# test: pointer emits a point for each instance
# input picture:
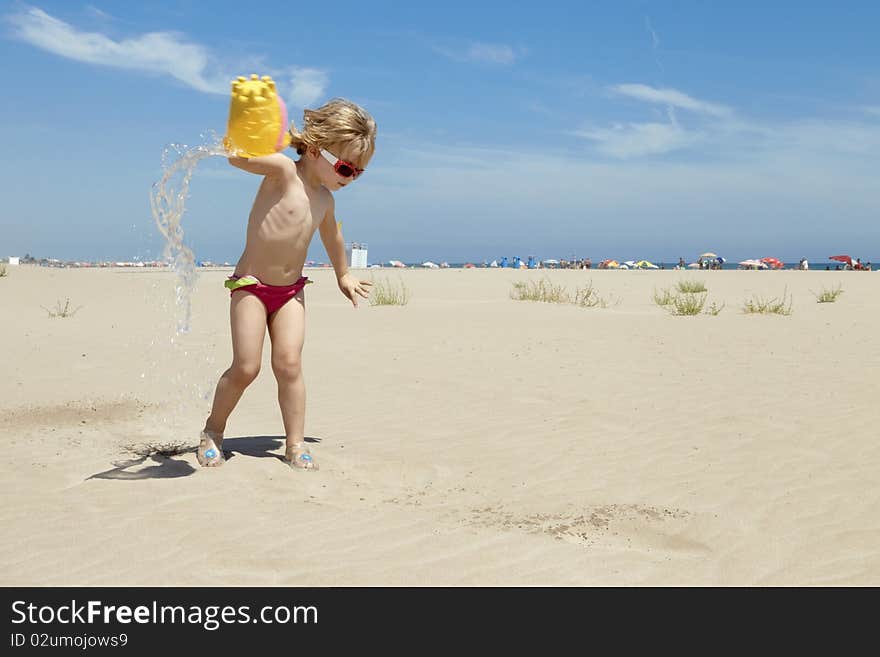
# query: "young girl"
(267, 288)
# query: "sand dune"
(464, 439)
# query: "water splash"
(168, 203)
(186, 379)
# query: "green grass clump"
(388, 293)
(687, 304)
(714, 309)
(774, 306)
(664, 297)
(545, 291)
(588, 297)
(691, 287)
(2, 270)
(62, 311)
(541, 290)
(828, 295)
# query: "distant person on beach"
(681, 264)
(295, 198)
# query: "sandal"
(302, 459)
(210, 453)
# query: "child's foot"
(297, 456)
(210, 452)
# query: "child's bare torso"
(283, 220)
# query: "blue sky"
(627, 130)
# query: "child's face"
(340, 159)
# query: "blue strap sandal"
(302, 459)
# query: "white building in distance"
(356, 255)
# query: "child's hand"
(352, 287)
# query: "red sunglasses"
(343, 168)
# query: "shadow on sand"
(169, 467)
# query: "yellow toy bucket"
(257, 122)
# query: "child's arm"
(334, 244)
(265, 165)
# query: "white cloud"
(160, 53)
(484, 53)
(672, 97)
(154, 52)
(637, 139)
(628, 140)
(753, 194)
(655, 40)
(98, 12)
(307, 86)
(491, 53)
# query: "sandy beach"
(464, 439)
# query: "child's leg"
(287, 333)
(247, 316)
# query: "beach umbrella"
(646, 265)
(694, 265)
(630, 263)
(774, 263)
(551, 261)
(842, 258)
(430, 265)
(708, 255)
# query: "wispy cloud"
(307, 86)
(98, 12)
(655, 40)
(154, 52)
(483, 53)
(759, 174)
(705, 120)
(671, 97)
(157, 53)
(638, 139)
(491, 53)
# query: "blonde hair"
(337, 122)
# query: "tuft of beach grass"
(545, 291)
(714, 309)
(588, 297)
(386, 292)
(689, 303)
(664, 297)
(828, 295)
(685, 303)
(775, 306)
(541, 290)
(691, 287)
(62, 311)
(2, 270)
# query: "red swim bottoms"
(272, 296)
